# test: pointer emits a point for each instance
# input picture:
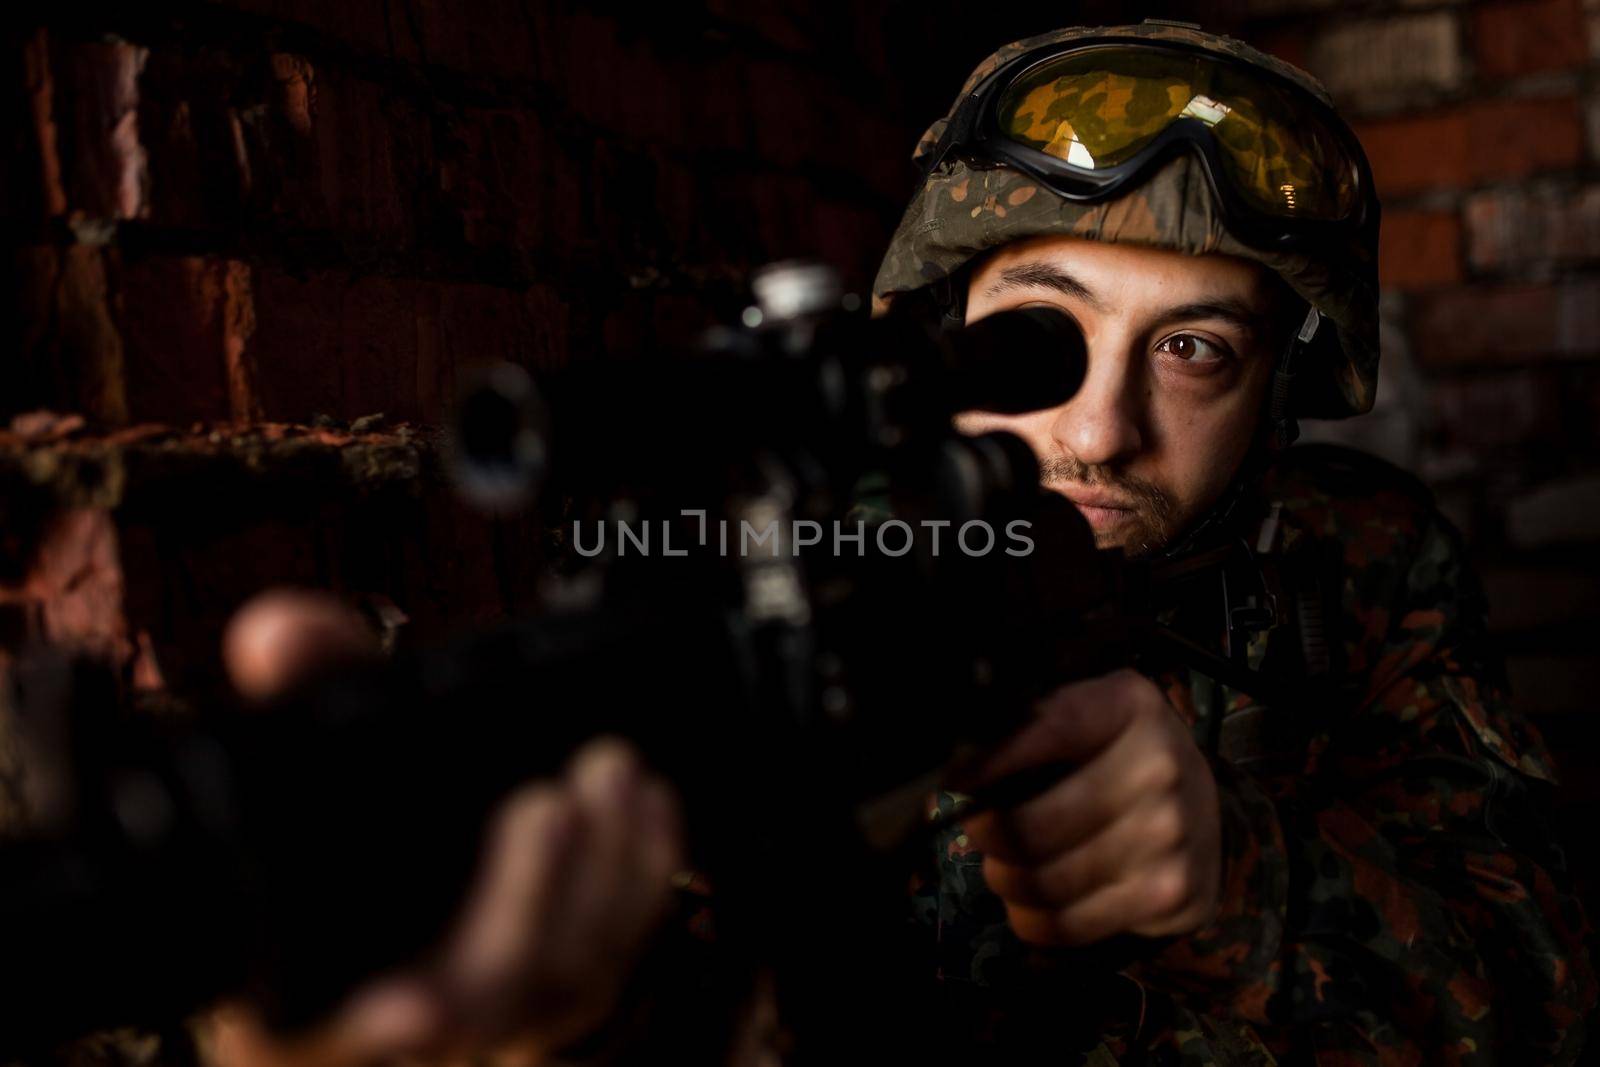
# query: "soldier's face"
(1181, 349)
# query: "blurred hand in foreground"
(575, 879)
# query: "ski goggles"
(1090, 120)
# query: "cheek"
(1201, 441)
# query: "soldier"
(1362, 876)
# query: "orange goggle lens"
(1100, 107)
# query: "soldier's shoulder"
(1338, 491)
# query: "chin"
(1132, 548)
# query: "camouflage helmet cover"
(961, 211)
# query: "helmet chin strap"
(1283, 425)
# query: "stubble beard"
(1149, 525)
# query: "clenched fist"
(1130, 842)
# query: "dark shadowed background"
(256, 241)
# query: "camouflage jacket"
(1391, 892)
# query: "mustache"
(1146, 499)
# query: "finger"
(393, 1018)
(1140, 836)
(1144, 762)
(1138, 905)
(390, 1019)
(642, 893)
(517, 898)
(282, 636)
(607, 782)
(1072, 724)
(661, 851)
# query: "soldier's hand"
(575, 878)
(1130, 842)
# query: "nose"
(1101, 424)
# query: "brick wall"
(238, 226)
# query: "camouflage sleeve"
(1394, 896)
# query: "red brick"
(646, 103)
(718, 105)
(1419, 249)
(1381, 63)
(1270, 8)
(1485, 412)
(373, 152)
(550, 328)
(197, 160)
(1564, 511)
(377, 358)
(492, 37)
(1529, 597)
(236, 142)
(1555, 685)
(363, 24)
(1509, 39)
(33, 183)
(346, 347)
(186, 326)
(72, 593)
(1485, 140)
(96, 126)
(504, 179)
(785, 25)
(70, 347)
(786, 99)
(1484, 325)
(498, 179)
(1414, 154)
(848, 237)
(481, 323)
(1511, 228)
(1292, 45)
(297, 344)
(1511, 139)
(1490, 324)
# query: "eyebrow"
(1035, 275)
(1255, 322)
(1044, 276)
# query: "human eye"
(1195, 352)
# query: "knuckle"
(535, 809)
(1007, 881)
(1160, 771)
(1127, 686)
(1168, 889)
(1167, 827)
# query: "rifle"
(798, 668)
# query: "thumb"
(391, 1018)
(282, 636)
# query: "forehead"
(1131, 271)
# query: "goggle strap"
(957, 131)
